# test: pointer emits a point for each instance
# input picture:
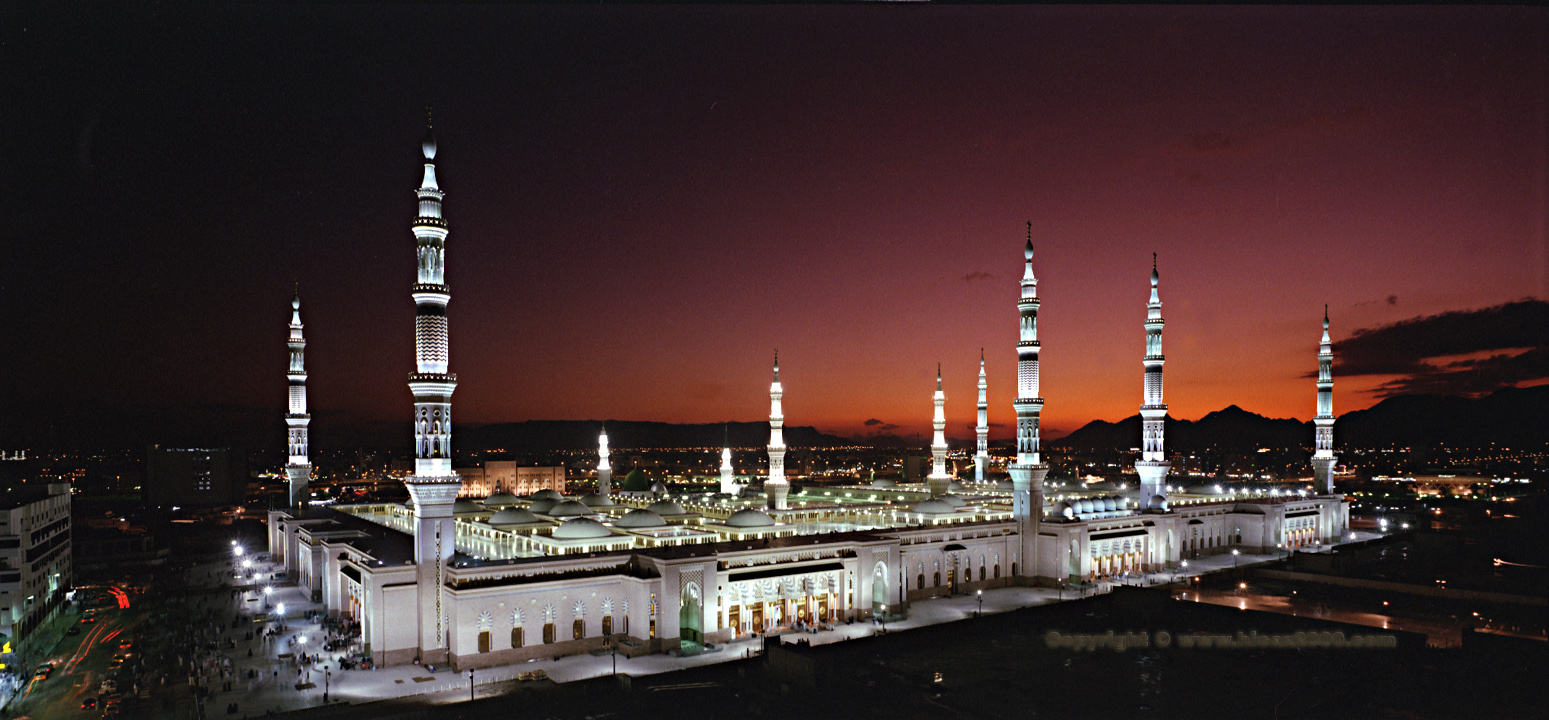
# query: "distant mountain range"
(1513, 417)
(1510, 418)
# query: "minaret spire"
(776, 487)
(299, 470)
(604, 470)
(728, 480)
(1029, 470)
(982, 430)
(939, 480)
(434, 485)
(1152, 466)
(1323, 424)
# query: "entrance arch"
(879, 586)
(690, 629)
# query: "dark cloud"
(1464, 352)
(873, 421)
(976, 276)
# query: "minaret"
(1323, 452)
(776, 487)
(1028, 472)
(299, 470)
(982, 456)
(433, 486)
(728, 481)
(1153, 465)
(939, 480)
(604, 470)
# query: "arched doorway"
(690, 611)
(878, 586)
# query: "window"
(607, 625)
(653, 627)
(1013, 568)
(483, 641)
(997, 569)
(579, 630)
(516, 637)
(919, 581)
(981, 573)
(548, 633)
(937, 579)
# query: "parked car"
(89, 703)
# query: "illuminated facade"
(982, 430)
(1029, 470)
(1323, 423)
(776, 487)
(939, 480)
(299, 470)
(1152, 466)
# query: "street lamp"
(884, 618)
(1235, 553)
(980, 593)
(267, 592)
(327, 674)
(470, 684)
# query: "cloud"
(976, 276)
(873, 421)
(1463, 352)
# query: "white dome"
(595, 500)
(1158, 502)
(882, 483)
(658, 487)
(543, 505)
(956, 487)
(1083, 506)
(638, 519)
(1109, 504)
(547, 494)
(513, 516)
(1065, 510)
(465, 505)
(953, 500)
(581, 529)
(569, 508)
(934, 506)
(1004, 486)
(749, 518)
(499, 500)
(666, 507)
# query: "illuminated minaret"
(1028, 472)
(982, 456)
(939, 479)
(604, 470)
(728, 481)
(776, 487)
(1153, 466)
(299, 470)
(1323, 452)
(433, 486)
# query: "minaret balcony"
(425, 221)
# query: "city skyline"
(646, 203)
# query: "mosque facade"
(480, 582)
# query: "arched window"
(919, 582)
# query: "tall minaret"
(1323, 452)
(1028, 472)
(939, 480)
(728, 481)
(776, 487)
(1153, 466)
(433, 486)
(982, 456)
(299, 470)
(604, 470)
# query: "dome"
(548, 494)
(956, 487)
(1083, 506)
(882, 483)
(637, 519)
(465, 505)
(581, 529)
(1158, 502)
(500, 500)
(569, 508)
(658, 487)
(1102, 486)
(513, 516)
(595, 500)
(1109, 504)
(749, 518)
(666, 507)
(953, 500)
(1064, 510)
(934, 506)
(1004, 486)
(542, 506)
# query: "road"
(81, 662)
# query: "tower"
(939, 480)
(299, 469)
(982, 453)
(728, 481)
(1028, 472)
(604, 470)
(433, 486)
(1152, 466)
(776, 487)
(1323, 423)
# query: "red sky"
(645, 202)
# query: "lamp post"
(884, 619)
(1235, 554)
(327, 675)
(470, 684)
(613, 643)
(980, 593)
(267, 592)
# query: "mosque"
(470, 583)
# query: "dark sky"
(645, 202)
